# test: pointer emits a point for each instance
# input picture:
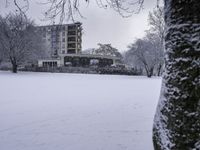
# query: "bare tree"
(157, 23)
(157, 28)
(158, 51)
(148, 53)
(145, 53)
(67, 8)
(19, 39)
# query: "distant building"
(62, 39)
(64, 44)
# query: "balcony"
(71, 45)
(71, 39)
(71, 33)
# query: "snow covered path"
(49, 111)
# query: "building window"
(63, 33)
(63, 40)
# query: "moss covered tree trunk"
(177, 120)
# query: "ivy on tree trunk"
(177, 120)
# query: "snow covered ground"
(49, 111)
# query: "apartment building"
(62, 39)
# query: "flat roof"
(60, 24)
(90, 55)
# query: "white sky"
(100, 25)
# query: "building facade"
(62, 39)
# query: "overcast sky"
(100, 25)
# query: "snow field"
(50, 111)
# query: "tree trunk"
(14, 65)
(14, 68)
(177, 120)
(149, 71)
(159, 69)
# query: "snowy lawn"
(49, 111)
